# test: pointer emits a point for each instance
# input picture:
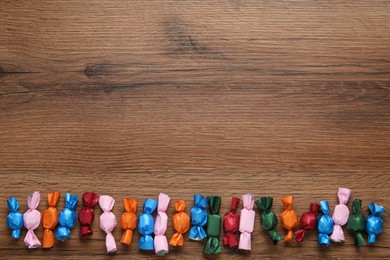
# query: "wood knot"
(88, 71)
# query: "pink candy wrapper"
(247, 222)
(160, 225)
(340, 215)
(32, 219)
(108, 221)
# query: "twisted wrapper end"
(289, 236)
(344, 194)
(85, 231)
(48, 238)
(110, 243)
(197, 233)
(338, 234)
(63, 233)
(146, 243)
(212, 246)
(16, 233)
(161, 245)
(230, 239)
(359, 239)
(127, 237)
(31, 240)
(300, 235)
(245, 242)
(323, 239)
(177, 239)
(275, 237)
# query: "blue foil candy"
(198, 218)
(146, 225)
(374, 224)
(14, 218)
(325, 225)
(67, 217)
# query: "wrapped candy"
(32, 219)
(289, 218)
(160, 225)
(231, 222)
(146, 225)
(307, 222)
(128, 220)
(268, 218)
(340, 215)
(15, 217)
(374, 223)
(108, 221)
(50, 220)
(86, 214)
(213, 227)
(325, 224)
(247, 222)
(181, 223)
(357, 223)
(198, 218)
(67, 218)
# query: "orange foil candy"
(50, 220)
(128, 220)
(289, 218)
(181, 223)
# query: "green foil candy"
(268, 219)
(357, 222)
(213, 231)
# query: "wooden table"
(133, 98)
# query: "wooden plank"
(131, 98)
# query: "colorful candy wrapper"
(146, 225)
(15, 217)
(181, 223)
(128, 220)
(247, 222)
(67, 218)
(307, 222)
(374, 225)
(87, 214)
(198, 218)
(50, 220)
(325, 224)
(289, 217)
(32, 219)
(231, 222)
(268, 218)
(108, 221)
(160, 225)
(340, 215)
(357, 223)
(212, 246)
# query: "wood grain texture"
(131, 98)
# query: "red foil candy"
(307, 222)
(86, 214)
(231, 223)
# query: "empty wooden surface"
(133, 98)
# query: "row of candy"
(329, 228)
